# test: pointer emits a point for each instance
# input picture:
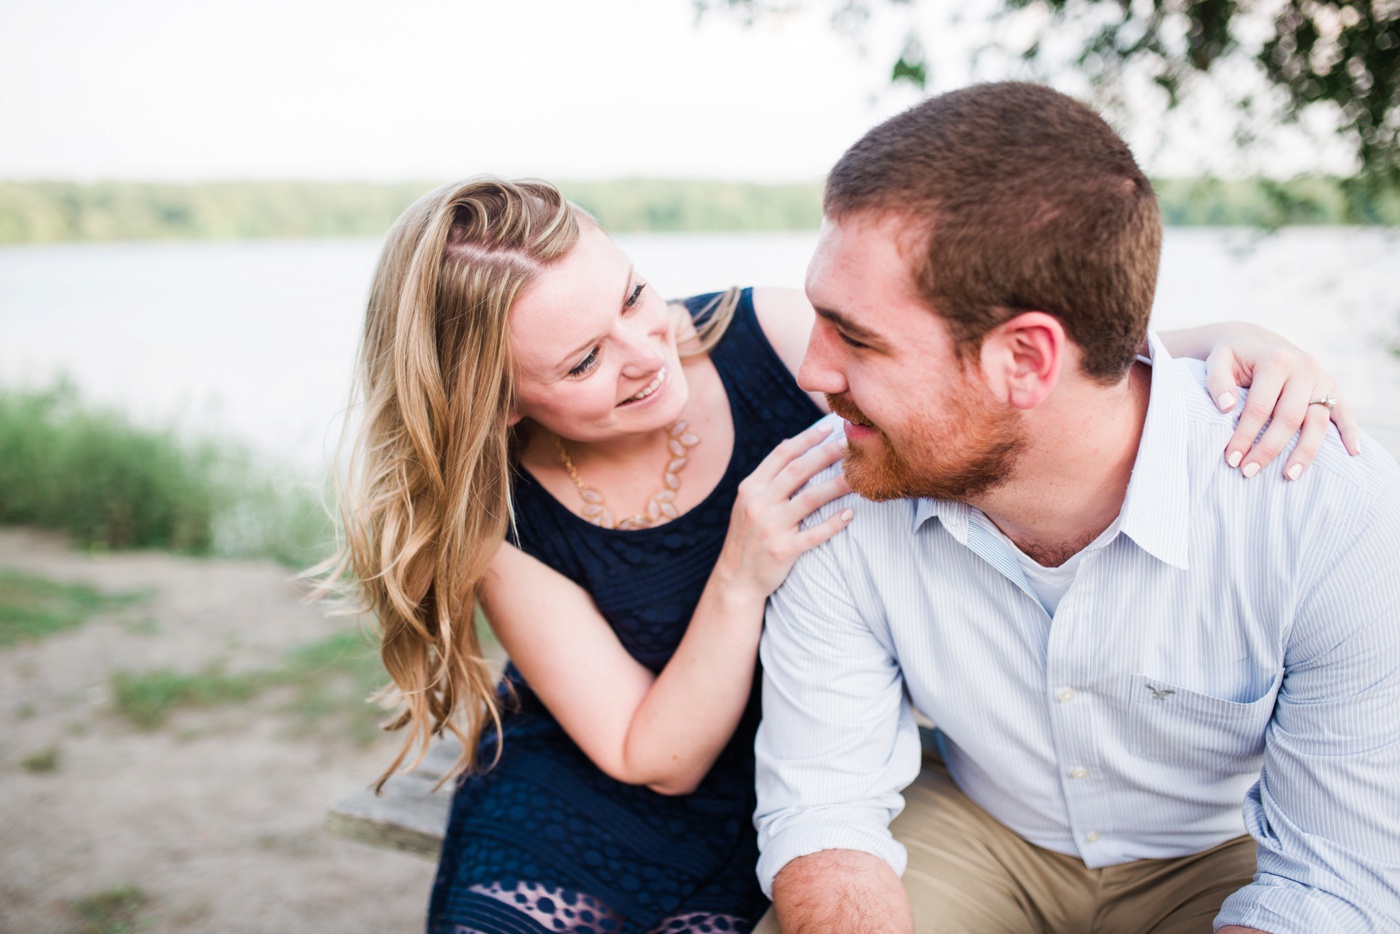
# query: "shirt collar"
(1154, 512)
(1157, 504)
(954, 516)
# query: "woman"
(545, 436)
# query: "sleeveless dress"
(544, 841)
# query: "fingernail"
(843, 442)
(1357, 449)
(1295, 471)
(1250, 470)
(1226, 401)
(847, 515)
(1234, 458)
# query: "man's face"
(919, 421)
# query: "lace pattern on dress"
(553, 909)
(702, 922)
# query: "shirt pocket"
(1177, 726)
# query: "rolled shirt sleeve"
(838, 741)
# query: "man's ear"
(1021, 358)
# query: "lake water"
(255, 340)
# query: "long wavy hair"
(424, 492)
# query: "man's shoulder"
(1373, 475)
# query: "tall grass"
(108, 482)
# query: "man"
(1119, 641)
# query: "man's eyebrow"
(850, 328)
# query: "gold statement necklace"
(662, 504)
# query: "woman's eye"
(587, 364)
(636, 295)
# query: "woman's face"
(595, 356)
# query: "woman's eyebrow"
(627, 286)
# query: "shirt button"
(1066, 695)
(1079, 772)
(1091, 837)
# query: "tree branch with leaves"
(1337, 60)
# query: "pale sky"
(430, 89)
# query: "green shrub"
(93, 473)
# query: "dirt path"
(215, 817)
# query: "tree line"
(55, 212)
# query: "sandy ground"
(216, 816)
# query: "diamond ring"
(1328, 400)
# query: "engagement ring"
(1328, 400)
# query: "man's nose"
(819, 371)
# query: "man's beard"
(959, 453)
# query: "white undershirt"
(1049, 584)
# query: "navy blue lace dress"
(544, 841)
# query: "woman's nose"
(645, 352)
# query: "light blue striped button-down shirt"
(1228, 662)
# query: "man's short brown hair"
(1027, 201)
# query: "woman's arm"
(1282, 380)
(786, 318)
(1283, 383)
(665, 731)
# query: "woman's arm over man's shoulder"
(786, 318)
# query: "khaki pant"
(968, 873)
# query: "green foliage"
(31, 213)
(910, 66)
(642, 204)
(92, 473)
(1341, 54)
(43, 762)
(1213, 202)
(268, 511)
(51, 212)
(1339, 57)
(328, 681)
(33, 607)
(332, 679)
(115, 911)
(148, 699)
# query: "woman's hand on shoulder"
(765, 530)
(1286, 386)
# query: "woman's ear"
(1021, 358)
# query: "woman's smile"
(648, 390)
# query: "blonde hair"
(425, 494)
